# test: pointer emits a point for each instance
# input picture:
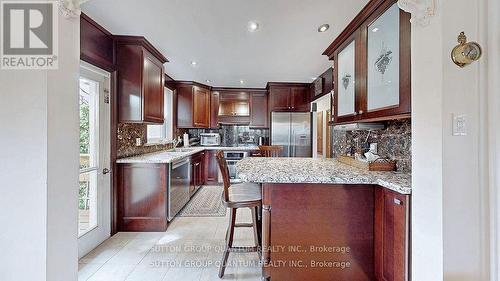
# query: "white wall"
(462, 202)
(63, 156)
(427, 152)
(39, 167)
(492, 115)
(23, 170)
(450, 197)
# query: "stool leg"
(229, 241)
(256, 235)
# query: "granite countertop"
(168, 156)
(161, 157)
(310, 170)
(238, 148)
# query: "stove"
(232, 157)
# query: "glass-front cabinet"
(372, 67)
(382, 89)
(346, 94)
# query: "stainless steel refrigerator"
(292, 130)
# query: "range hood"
(360, 127)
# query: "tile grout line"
(128, 241)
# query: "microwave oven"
(209, 139)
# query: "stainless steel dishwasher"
(179, 182)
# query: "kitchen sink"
(180, 150)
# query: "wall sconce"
(465, 52)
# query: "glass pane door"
(89, 149)
(94, 189)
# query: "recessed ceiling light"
(323, 27)
(375, 29)
(253, 26)
(313, 78)
(242, 82)
(193, 63)
(208, 81)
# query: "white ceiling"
(287, 46)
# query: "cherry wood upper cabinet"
(392, 232)
(96, 44)
(236, 107)
(279, 98)
(380, 36)
(140, 80)
(288, 96)
(234, 102)
(214, 109)
(193, 105)
(258, 110)
(300, 98)
(201, 107)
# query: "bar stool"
(235, 196)
(270, 150)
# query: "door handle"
(105, 171)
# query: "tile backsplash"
(234, 135)
(394, 142)
(127, 133)
(231, 136)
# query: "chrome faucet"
(176, 141)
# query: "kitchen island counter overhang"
(324, 220)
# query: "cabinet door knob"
(361, 112)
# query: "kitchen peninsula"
(324, 220)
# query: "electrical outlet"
(138, 141)
(459, 125)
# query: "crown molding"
(70, 8)
(421, 10)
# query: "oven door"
(179, 184)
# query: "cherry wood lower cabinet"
(327, 232)
(392, 228)
(211, 167)
(142, 197)
(197, 171)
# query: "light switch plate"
(459, 125)
(138, 142)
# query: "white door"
(94, 189)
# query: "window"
(161, 133)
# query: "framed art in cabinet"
(346, 74)
(388, 62)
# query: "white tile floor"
(190, 250)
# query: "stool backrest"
(270, 150)
(224, 170)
